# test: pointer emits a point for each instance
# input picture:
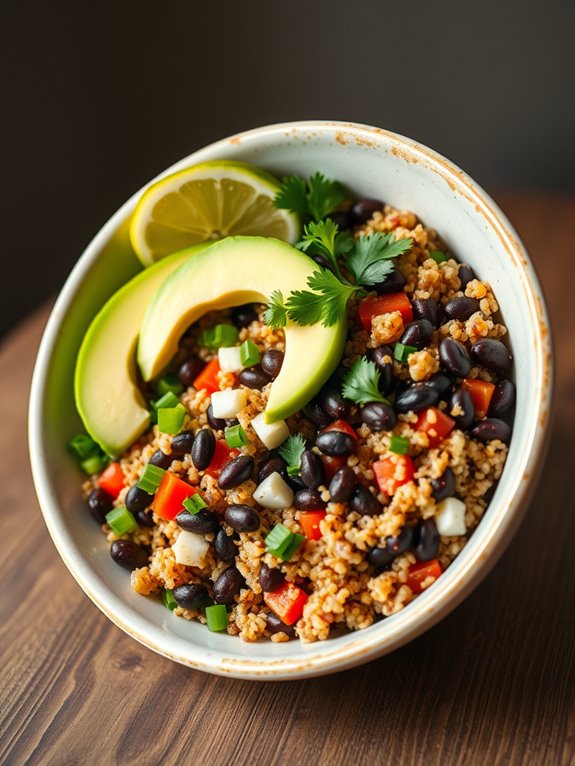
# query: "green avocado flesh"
(232, 272)
(110, 404)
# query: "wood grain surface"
(492, 684)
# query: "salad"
(297, 413)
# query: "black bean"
(270, 579)
(394, 283)
(461, 399)
(336, 443)
(342, 219)
(379, 356)
(426, 308)
(461, 308)
(380, 557)
(128, 554)
(315, 413)
(418, 334)
(454, 357)
(201, 523)
(465, 275)
(191, 596)
(227, 586)
(363, 502)
(99, 504)
(203, 449)
(311, 469)
(243, 518)
(224, 546)
(378, 416)
(275, 625)
(502, 400)
(274, 464)
(218, 424)
(444, 486)
(401, 542)
(417, 397)
(160, 459)
(145, 518)
(491, 428)
(364, 209)
(308, 500)
(243, 316)
(333, 403)
(426, 540)
(342, 485)
(236, 471)
(182, 443)
(492, 353)
(440, 382)
(137, 499)
(189, 370)
(295, 483)
(272, 361)
(253, 377)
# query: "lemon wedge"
(208, 202)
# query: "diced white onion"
(230, 359)
(227, 404)
(190, 549)
(450, 517)
(271, 434)
(274, 493)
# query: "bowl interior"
(371, 163)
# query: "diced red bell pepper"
(418, 573)
(287, 602)
(208, 377)
(309, 522)
(222, 455)
(112, 479)
(343, 426)
(170, 496)
(331, 465)
(436, 424)
(392, 472)
(481, 392)
(384, 304)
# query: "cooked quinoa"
(345, 589)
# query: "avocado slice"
(231, 272)
(110, 404)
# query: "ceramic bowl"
(372, 163)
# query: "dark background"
(99, 97)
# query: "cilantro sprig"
(317, 197)
(354, 264)
(361, 383)
(291, 451)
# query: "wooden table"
(492, 684)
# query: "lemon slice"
(208, 202)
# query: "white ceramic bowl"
(372, 163)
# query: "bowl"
(372, 163)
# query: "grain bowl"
(373, 164)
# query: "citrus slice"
(208, 202)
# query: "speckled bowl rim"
(484, 548)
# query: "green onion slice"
(120, 520)
(249, 353)
(168, 599)
(402, 351)
(399, 444)
(169, 383)
(217, 617)
(171, 419)
(150, 479)
(194, 504)
(235, 436)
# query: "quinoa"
(345, 589)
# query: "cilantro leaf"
(370, 260)
(361, 383)
(317, 197)
(275, 314)
(291, 451)
(324, 238)
(323, 196)
(326, 304)
(292, 195)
